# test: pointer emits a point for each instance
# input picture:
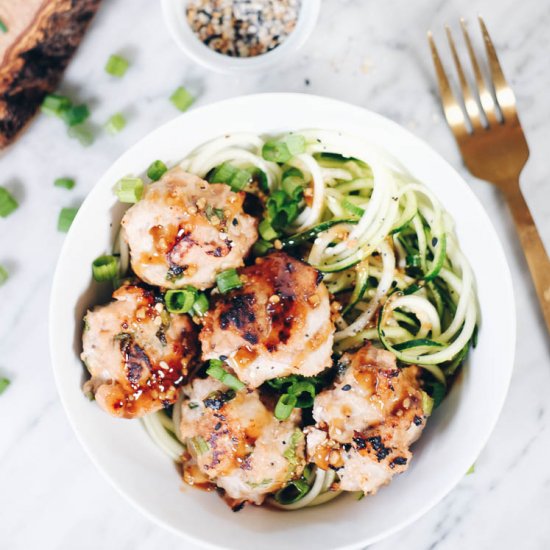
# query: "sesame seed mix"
(242, 28)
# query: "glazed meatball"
(184, 231)
(236, 443)
(367, 421)
(137, 353)
(278, 323)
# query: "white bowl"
(454, 435)
(176, 21)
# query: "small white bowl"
(191, 45)
(453, 437)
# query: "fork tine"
(469, 101)
(485, 96)
(451, 108)
(505, 96)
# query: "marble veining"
(365, 52)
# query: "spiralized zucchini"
(387, 250)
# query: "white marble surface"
(368, 53)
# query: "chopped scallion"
(182, 99)
(8, 204)
(156, 170)
(105, 268)
(283, 150)
(66, 183)
(285, 406)
(129, 190)
(75, 115)
(65, 220)
(228, 280)
(215, 370)
(3, 27)
(3, 275)
(82, 133)
(4, 383)
(304, 392)
(117, 66)
(266, 230)
(180, 301)
(236, 178)
(55, 105)
(115, 124)
(200, 307)
(261, 247)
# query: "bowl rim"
(193, 48)
(270, 99)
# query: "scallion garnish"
(283, 150)
(115, 124)
(261, 247)
(215, 370)
(236, 178)
(228, 280)
(105, 268)
(293, 183)
(3, 275)
(293, 492)
(4, 383)
(266, 230)
(199, 445)
(180, 301)
(117, 66)
(65, 220)
(129, 190)
(182, 99)
(75, 115)
(55, 105)
(285, 406)
(8, 204)
(304, 392)
(200, 307)
(156, 170)
(66, 183)
(3, 27)
(82, 133)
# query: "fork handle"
(532, 245)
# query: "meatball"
(278, 323)
(137, 353)
(366, 423)
(184, 231)
(236, 443)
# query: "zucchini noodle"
(387, 250)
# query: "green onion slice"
(266, 230)
(3, 275)
(8, 204)
(228, 280)
(66, 183)
(115, 124)
(105, 268)
(55, 105)
(293, 492)
(117, 66)
(215, 370)
(129, 190)
(182, 99)
(283, 150)
(304, 392)
(236, 178)
(3, 27)
(200, 307)
(4, 383)
(180, 301)
(65, 220)
(285, 405)
(75, 115)
(156, 170)
(82, 133)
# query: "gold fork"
(493, 146)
